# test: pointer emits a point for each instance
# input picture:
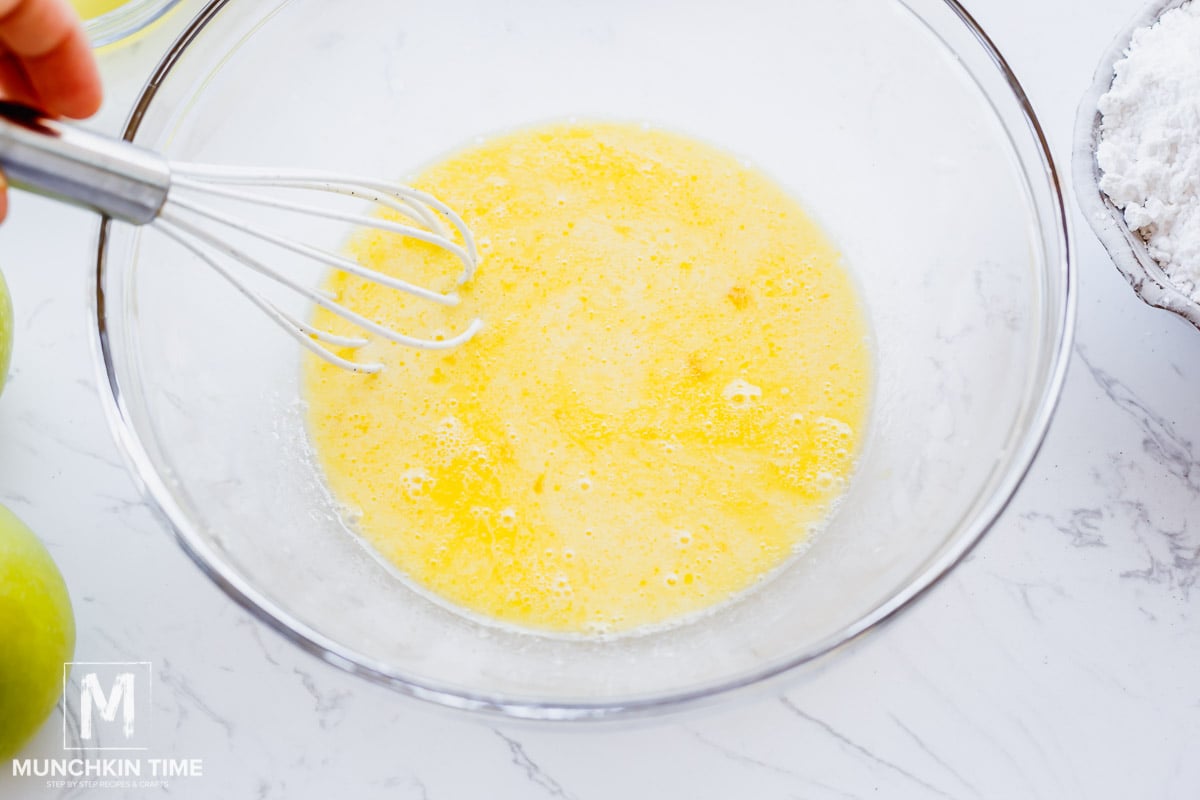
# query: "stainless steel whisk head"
(424, 211)
(138, 186)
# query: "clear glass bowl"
(1126, 247)
(125, 20)
(897, 124)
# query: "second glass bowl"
(109, 21)
(1125, 246)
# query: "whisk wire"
(303, 333)
(358, 220)
(178, 225)
(415, 200)
(398, 201)
(325, 257)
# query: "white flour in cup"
(1149, 151)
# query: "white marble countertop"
(1059, 661)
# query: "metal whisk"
(133, 184)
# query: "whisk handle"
(45, 156)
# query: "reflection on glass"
(108, 21)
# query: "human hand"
(46, 62)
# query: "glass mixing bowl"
(898, 125)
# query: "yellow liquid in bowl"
(669, 396)
(90, 9)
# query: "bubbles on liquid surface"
(740, 393)
(560, 585)
(415, 481)
(639, 481)
(826, 481)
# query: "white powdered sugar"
(1149, 151)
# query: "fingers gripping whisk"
(200, 228)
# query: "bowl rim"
(158, 496)
(125, 20)
(1125, 247)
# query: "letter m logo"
(107, 708)
(92, 696)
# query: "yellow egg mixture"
(670, 392)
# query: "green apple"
(6, 331)
(37, 633)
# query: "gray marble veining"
(1057, 662)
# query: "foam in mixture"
(670, 392)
